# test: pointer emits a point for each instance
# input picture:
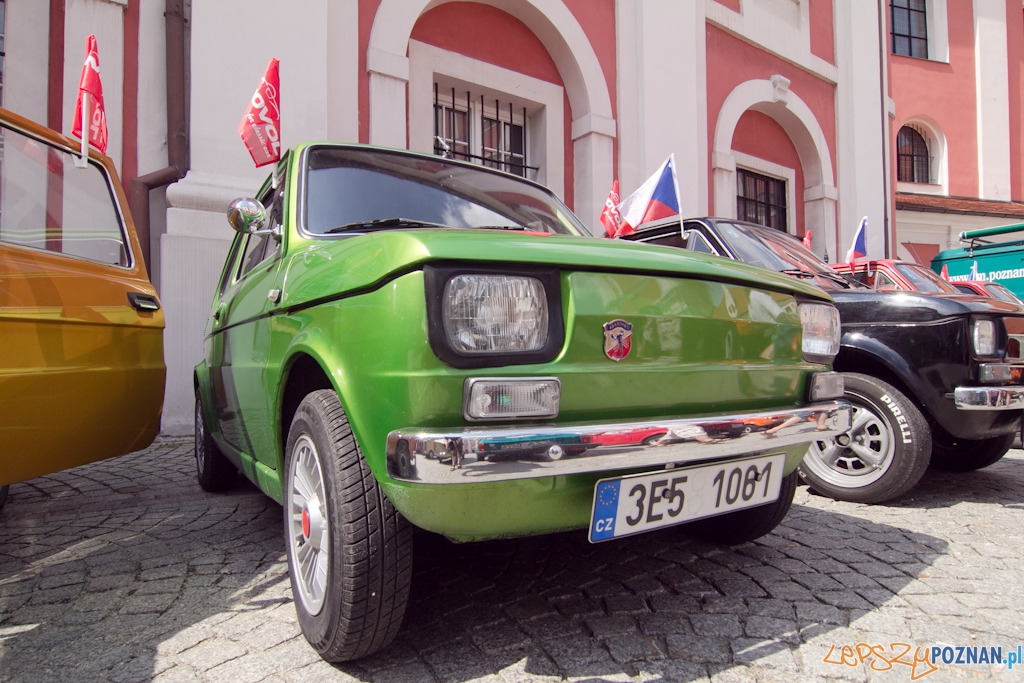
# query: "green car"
(377, 305)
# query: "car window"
(229, 263)
(672, 239)
(884, 282)
(259, 248)
(924, 280)
(47, 203)
(697, 242)
(1003, 294)
(966, 289)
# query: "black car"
(927, 373)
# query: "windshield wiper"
(797, 272)
(384, 224)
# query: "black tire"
(887, 427)
(966, 455)
(4, 490)
(368, 565)
(214, 471)
(746, 525)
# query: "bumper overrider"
(507, 452)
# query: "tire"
(738, 527)
(214, 471)
(965, 455)
(4, 490)
(349, 551)
(881, 457)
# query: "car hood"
(367, 261)
(874, 307)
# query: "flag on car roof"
(807, 239)
(858, 249)
(657, 198)
(610, 217)
(260, 128)
(974, 272)
(945, 273)
(89, 105)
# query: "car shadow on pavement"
(127, 571)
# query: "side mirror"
(247, 216)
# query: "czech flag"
(858, 249)
(973, 275)
(657, 198)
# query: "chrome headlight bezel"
(821, 332)
(436, 279)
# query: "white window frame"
(772, 170)
(938, 164)
(545, 125)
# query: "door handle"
(143, 302)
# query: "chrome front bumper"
(989, 398)
(503, 453)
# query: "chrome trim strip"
(504, 453)
(989, 398)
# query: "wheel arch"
(303, 374)
(870, 357)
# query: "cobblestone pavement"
(126, 571)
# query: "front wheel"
(3, 495)
(964, 455)
(883, 455)
(214, 471)
(349, 551)
(750, 524)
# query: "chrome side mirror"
(247, 216)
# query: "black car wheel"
(966, 455)
(883, 455)
(215, 472)
(4, 490)
(746, 525)
(349, 551)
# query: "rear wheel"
(883, 455)
(966, 455)
(741, 526)
(215, 472)
(3, 495)
(349, 551)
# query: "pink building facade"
(806, 115)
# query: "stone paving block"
(726, 625)
(210, 653)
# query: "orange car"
(82, 369)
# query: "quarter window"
(912, 160)
(909, 28)
(483, 130)
(761, 199)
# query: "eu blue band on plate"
(606, 505)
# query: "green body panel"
(710, 337)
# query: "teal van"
(1001, 262)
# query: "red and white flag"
(260, 128)
(91, 91)
(610, 217)
(807, 239)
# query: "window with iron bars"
(913, 164)
(481, 130)
(761, 199)
(909, 28)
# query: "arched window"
(912, 160)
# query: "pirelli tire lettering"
(885, 453)
(901, 419)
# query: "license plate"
(631, 505)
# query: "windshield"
(924, 280)
(1003, 294)
(375, 189)
(779, 251)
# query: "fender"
(924, 393)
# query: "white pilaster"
(991, 79)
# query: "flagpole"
(84, 160)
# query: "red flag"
(260, 128)
(90, 84)
(945, 273)
(807, 239)
(610, 217)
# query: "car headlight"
(492, 315)
(985, 337)
(821, 332)
(495, 314)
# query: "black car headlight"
(821, 332)
(490, 316)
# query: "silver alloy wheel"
(308, 529)
(200, 438)
(857, 458)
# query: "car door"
(82, 369)
(241, 338)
